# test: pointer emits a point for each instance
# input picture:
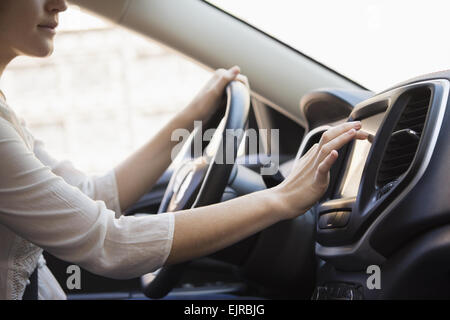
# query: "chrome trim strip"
(308, 136)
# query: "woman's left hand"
(207, 101)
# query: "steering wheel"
(200, 180)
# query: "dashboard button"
(338, 291)
(342, 219)
(326, 221)
(332, 220)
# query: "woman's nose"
(56, 6)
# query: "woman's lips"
(51, 28)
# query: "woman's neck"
(4, 61)
(2, 95)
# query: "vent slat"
(399, 154)
(422, 102)
(416, 112)
(399, 169)
(399, 158)
(399, 149)
(412, 121)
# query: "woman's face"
(27, 27)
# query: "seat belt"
(31, 290)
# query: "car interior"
(387, 203)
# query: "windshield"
(376, 43)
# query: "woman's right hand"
(310, 175)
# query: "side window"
(102, 94)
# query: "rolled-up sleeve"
(43, 208)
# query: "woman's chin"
(42, 51)
(40, 45)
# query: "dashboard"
(387, 205)
(386, 194)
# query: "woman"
(46, 204)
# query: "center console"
(370, 180)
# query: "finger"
(311, 150)
(324, 168)
(336, 144)
(334, 132)
(226, 76)
(231, 74)
(307, 156)
(243, 79)
(235, 71)
(310, 153)
(363, 135)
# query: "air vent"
(402, 145)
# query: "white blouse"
(49, 205)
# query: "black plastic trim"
(367, 207)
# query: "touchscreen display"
(357, 160)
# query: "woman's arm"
(41, 207)
(202, 231)
(138, 173)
